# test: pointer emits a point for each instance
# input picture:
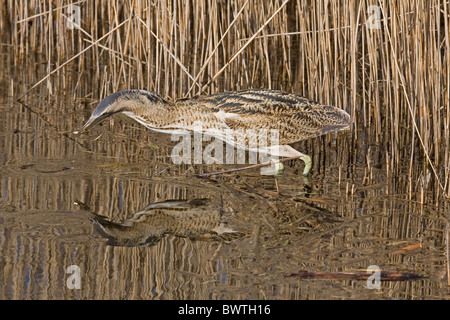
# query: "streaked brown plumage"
(196, 219)
(295, 118)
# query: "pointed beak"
(92, 122)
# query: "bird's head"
(127, 102)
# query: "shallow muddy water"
(68, 200)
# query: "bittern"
(293, 117)
(199, 219)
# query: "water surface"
(57, 190)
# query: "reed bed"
(393, 77)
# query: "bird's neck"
(162, 114)
(155, 115)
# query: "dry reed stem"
(244, 46)
(49, 11)
(205, 64)
(71, 59)
(323, 51)
(400, 75)
(170, 53)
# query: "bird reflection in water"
(197, 219)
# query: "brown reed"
(393, 79)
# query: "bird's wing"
(295, 117)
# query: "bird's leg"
(308, 164)
(253, 166)
(289, 152)
(275, 169)
(276, 165)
